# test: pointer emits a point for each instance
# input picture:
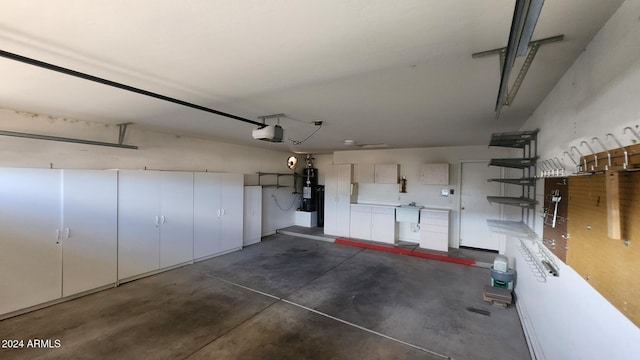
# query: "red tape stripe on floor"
(395, 250)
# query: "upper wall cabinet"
(435, 174)
(363, 173)
(386, 173)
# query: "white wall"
(410, 161)
(159, 151)
(597, 95)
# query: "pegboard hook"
(582, 156)
(624, 131)
(595, 157)
(626, 155)
(605, 149)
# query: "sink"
(411, 207)
(408, 213)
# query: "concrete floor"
(285, 298)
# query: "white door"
(89, 230)
(330, 200)
(252, 215)
(206, 213)
(232, 213)
(138, 222)
(176, 218)
(343, 206)
(30, 253)
(474, 207)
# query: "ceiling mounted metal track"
(63, 70)
(509, 94)
(525, 18)
(69, 140)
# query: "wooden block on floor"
(497, 296)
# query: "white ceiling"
(397, 72)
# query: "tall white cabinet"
(155, 221)
(218, 213)
(89, 229)
(252, 215)
(338, 199)
(66, 232)
(30, 258)
(58, 232)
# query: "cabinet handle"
(218, 212)
(157, 220)
(162, 217)
(222, 212)
(67, 233)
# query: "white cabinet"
(30, 258)
(386, 173)
(155, 220)
(138, 222)
(59, 234)
(252, 215)
(434, 174)
(338, 198)
(360, 227)
(218, 213)
(363, 173)
(89, 229)
(383, 225)
(232, 211)
(434, 229)
(377, 223)
(176, 218)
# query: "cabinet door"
(231, 204)
(343, 205)
(386, 173)
(252, 215)
(360, 223)
(363, 173)
(330, 200)
(30, 257)
(206, 213)
(383, 225)
(89, 230)
(138, 222)
(176, 218)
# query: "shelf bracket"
(501, 52)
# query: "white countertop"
(392, 205)
(375, 205)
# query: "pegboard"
(554, 232)
(611, 266)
